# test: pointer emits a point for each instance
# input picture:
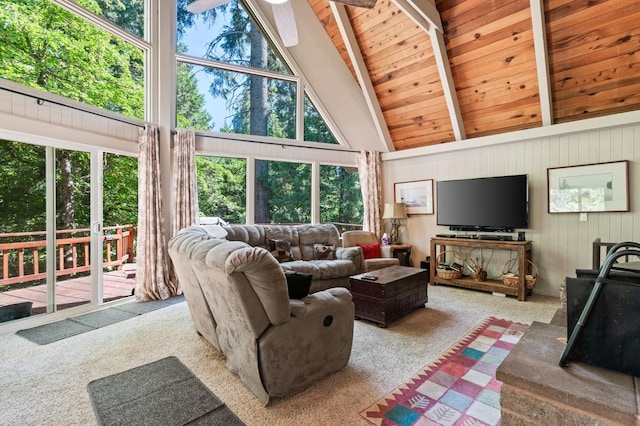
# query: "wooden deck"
(71, 292)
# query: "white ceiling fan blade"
(286, 23)
(199, 6)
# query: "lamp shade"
(394, 211)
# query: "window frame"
(241, 69)
(302, 89)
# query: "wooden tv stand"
(523, 252)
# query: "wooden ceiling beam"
(424, 9)
(351, 44)
(448, 85)
(542, 64)
(416, 10)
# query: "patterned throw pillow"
(281, 250)
(324, 252)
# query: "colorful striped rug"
(459, 388)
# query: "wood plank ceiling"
(514, 64)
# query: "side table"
(402, 252)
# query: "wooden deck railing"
(21, 257)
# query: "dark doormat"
(164, 392)
(52, 332)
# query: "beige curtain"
(154, 279)
(185, 185)
(369, 170)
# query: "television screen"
(483, 204)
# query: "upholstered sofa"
(238, 299)
(313, 249)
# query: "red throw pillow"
(370, 251)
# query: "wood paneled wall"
(59, 124)
(561, 242)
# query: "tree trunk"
(66, 206)
(263, 212)
(258, 121)
(66, 210)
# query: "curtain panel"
(154, 277)
(369, 170)
(185, 184)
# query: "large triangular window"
(232, 79)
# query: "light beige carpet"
(47, 385)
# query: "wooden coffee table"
(397, 291)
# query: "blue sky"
(196, 38)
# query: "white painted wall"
(561, 242)
(23, 119)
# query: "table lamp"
(395, 212)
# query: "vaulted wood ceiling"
(504, 65)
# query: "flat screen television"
(493, 204)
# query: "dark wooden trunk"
(397, 291)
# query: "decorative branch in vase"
(477, 267)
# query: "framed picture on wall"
(417, 196)
(602, 187)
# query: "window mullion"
(235, 68)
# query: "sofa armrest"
(314, 342)
(299, 307)
(353, 254)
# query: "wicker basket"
(511, 279)
(480, 275)
(449, 274)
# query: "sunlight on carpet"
(459, 388)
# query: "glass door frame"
(95, 224)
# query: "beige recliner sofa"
(238, 299)
(303, 240)
(355, 238)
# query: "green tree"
(127, 14)
(22, 185)
(287, 187)
(315, 128)
(190, 112)
(340, 196)
(45, 46)
(222, 187)
(120, 190)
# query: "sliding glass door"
(74, 226)
(119, 188)
(23, 229)
(55, 252)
